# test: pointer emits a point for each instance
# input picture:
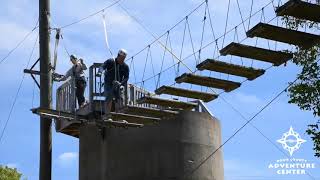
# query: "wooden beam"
(275, 57)
(167, 103)
(208, 81)
(227, 68)
(302, 39)
(300, 9)
(206, 97)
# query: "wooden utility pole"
(45, 90)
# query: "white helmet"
(122, 52)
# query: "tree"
(305, 91)
(7, 173)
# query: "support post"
(45, 90)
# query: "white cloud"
(12, 165)
(68, 159)
(246, 98)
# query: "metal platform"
(206, 97)
(275, 57)
(300, 9)
(208, 81)
(227, 68)
(167, 103)
(146, 111)
(267, 31)
(75, 121)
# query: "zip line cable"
(19, 43)
(91, 15)
(18, 91)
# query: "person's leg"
(82, 99)
(78, 92)
(108, 92)
(80, 85)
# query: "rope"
(226, 25)
(19, 43)
(251, 8)
(91, 15)
(106, 34)
(264, 20)
(237, 35)
(203, 31)
(163, 57)
(18, 91)
(134, 71)
(191, 40)
(240, 12)
(65, 47)
(174, 64)
(55, 54)
(145, 66)
(210, 20)
(151, 58)
(182, 45)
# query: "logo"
(291, 141)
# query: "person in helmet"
(116, 77)
(77, 72)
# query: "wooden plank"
(206, 97)
(208, 81)
(227, 68)
(275, 57)
(133, 118)
(167, 103)
(152, 112)
(300, 9)
(298, 38)
(54, 114)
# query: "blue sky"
(246, 156)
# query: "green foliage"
(305, 92)
(314, 132)
(7, 173)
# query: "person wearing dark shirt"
(116, 77)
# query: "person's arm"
(83, 65)
(126, 76)
(68, 74)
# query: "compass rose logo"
(291, 141)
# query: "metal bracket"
(34, 72)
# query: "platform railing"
(66, 96)
(96, 91)
(95, 83)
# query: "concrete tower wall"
(170, 150)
